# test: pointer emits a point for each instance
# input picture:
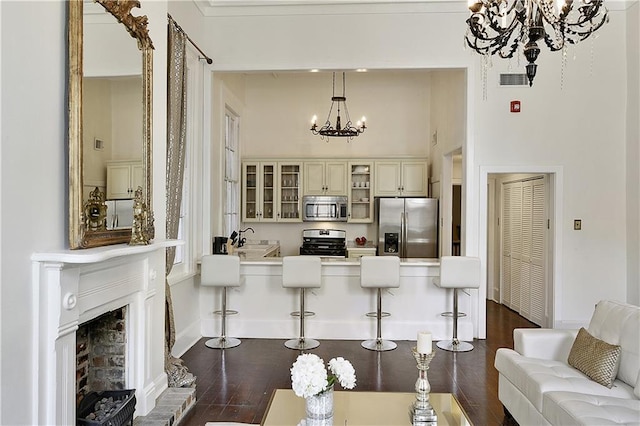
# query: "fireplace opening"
(101, 354)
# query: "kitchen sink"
(259, 244)
(259, 248)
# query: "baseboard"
(186, 339)
(147, 400)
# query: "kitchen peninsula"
(340, 305)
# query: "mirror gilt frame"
(81, 234)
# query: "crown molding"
(226, 8)
(223, 8)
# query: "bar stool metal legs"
(302, 343)
(378, 344)
(454, 345)
(223, 342)
(302, 272)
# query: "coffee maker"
(219, 245)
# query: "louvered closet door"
(538, 252)
(505, 293)
(525, 265)
(524, 214)
(516, 244)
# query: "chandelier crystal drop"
(502, 26)
(339, 103)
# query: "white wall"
(96, 124)
(448, 117)
(581, 132)
(279, 107)
(127, 118)
(1, 215)
(108, 51)
(33, 175)
(633, 155)
(33, 179)
(112, 112)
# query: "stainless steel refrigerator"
(119, 214)
(407, 227)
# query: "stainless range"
(324, 242)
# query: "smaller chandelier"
(348, 130)
(500, 26)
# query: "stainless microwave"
(324, 208)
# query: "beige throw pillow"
(594, 357)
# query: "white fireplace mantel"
(71, 287)
(101, 254)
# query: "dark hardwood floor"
(235, 385)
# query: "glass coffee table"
(352, 408)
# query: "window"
(184, 210)
(231, 180)
(184, 261)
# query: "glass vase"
(320, 407)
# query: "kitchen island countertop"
(340, 303)
(342, 261)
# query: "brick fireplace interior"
(101, 353)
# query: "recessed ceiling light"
(314, 70)
(361, 70)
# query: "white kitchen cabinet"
(271, 191)
(357, 251)
(258, 191)
(360, 197)
(289, 192)
(123, 178)
(407, 178)
(325, 178)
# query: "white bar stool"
(221, 271)
(457, 272)
(301, 272)
(379, 272)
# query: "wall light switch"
(577, 224)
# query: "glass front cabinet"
(360, 192)
(289, 199)
(258, 192)
(271, 191)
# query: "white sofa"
(538, 387)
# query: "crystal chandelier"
(347, 130)
(500, 26)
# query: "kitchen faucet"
(242, 240)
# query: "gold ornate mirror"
(109, 128)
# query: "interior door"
(539, 232)
(505, 292)
(526, 235)
(524, 248)
(516, 244)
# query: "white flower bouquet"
(309, 376)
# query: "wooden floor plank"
(235, 385)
